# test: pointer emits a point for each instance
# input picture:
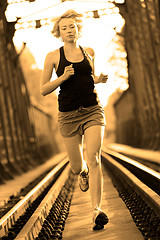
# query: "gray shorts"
(77, 121)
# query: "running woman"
(80, 115)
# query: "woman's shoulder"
(53, 56)
(90, 51)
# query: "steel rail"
(135, 153)
(151, 197)
(32, 228)
(130, 161)
(10, 218)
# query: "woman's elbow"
(43, 92)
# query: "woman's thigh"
(75, 152)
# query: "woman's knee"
(93, 159)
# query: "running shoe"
(99, 219)
(84, 180)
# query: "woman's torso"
(78, 90)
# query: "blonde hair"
(69, 14)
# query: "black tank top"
(78, 90)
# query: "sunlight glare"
(99, 34)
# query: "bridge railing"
(26, 133)
(138, 110)
(42, 123)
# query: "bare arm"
(46, 85)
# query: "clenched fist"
(68, 71)
(103, 78)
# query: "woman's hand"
(102, 78)
(68, 72)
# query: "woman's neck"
(71, 46)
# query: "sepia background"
(40, 197)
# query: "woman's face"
(68, 30)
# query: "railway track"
(139, 188)
(41, 214)
(148, 158)
(30, 213)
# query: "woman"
(80, 114)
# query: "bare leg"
(74, 149)
(93, 138)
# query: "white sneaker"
(84, 180)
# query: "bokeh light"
(98, 33)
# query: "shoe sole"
(100, 221)
(98, 227)
(83, 190)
